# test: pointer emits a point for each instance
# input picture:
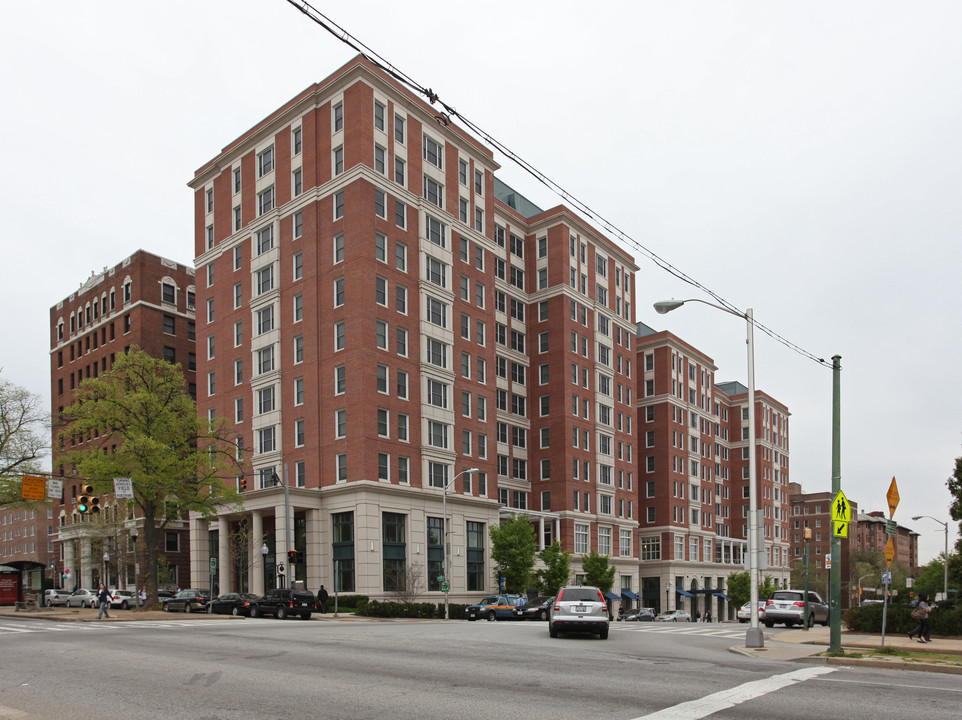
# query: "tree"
(598, 572)
(142, 424)
(24, 429)
(740, 592)
(513, 549)
(954, 484)
(557, 569)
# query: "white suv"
(579, 608)
(788, 606)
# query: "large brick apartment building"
(379, 313)
(145, 301)
(694, 459)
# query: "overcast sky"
(801, 159)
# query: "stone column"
(541, 533)
(225, 565)
(256, 559)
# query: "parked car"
(283, 602)
(674, 616)
(232, 604)
(638, 615)
(788, 607)
(189, 600)
(744, 613)
(83, 598)
(123, 599)
(579, 608)
(536, 609)
(55, 597)
(493, 607)
(866, 603)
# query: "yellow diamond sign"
(841, 510)
(893, 497)
(890, 551)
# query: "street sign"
(890, 551)
(54, 488)
(213, 565)
(828, 562)
(891, 527)
(840, 529)
(444, 587)
(841, 510)
(123, 488)
(33, 488)
(886, 578)
(893, 497)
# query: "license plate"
(580, 608)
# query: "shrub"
(899, 619)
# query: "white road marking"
(724, 699)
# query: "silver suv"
(788, 607)
(579, 608)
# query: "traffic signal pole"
(835, 574)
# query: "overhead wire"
(433, 98)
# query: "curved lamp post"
(945, 559)
(447, 544)
(754, 638)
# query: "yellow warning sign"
(893, 497)
(839, 529)
(33, 488)
(841, 510)
(890, 550)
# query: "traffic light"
(292, 557)
(83, 502)
(94, 505)
(242, 483)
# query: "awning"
(612, 596)
(684, 592)
(722, 595)
(630, 595)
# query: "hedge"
(389, 609)
(944, 621)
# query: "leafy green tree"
(513, 549)
(954, 484)
(556, 571)
(598, 572)
(143, 424)
(24, 429)
(740, 591)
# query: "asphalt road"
(265, 668)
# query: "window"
(340, 423)
(581, 539)
(296, 143)
(265, 162)
(381, 334)
(479, 182)
(298, 224)
(433, 152)
(433, 192)
(380, 203)
(237, 180)
(265, 201)
(338, 292)
(379, 111)
(338, 122)
(297, 181)
(380, 162)
(338, 160)
(298, 307)
(298, 349)
(340, 380)
(380, 290)
(339, 205)
(167, 293)
(399, 172)
(265, 280)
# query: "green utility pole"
(835, 575)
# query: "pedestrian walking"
(142, 595)
(708, 616)
(322, 597)
(103, 595)
(921, 613)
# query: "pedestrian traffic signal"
(292, 557)
(83, 502)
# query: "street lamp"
(860, 584)
(945, 560)
(754, 637)
(264, 551)
(447, 544)
(667, 596)
(106, 579)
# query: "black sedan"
(639, 615)
(232, 604)
(536, 609)
(189, 600)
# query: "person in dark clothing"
(921, 613)
(103, 596)
(322, 597)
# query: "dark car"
(232, 604)
(536, 609)
(189, 600)
(493, 607)
(283, 603)
(639, 615)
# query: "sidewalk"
(861, 649)
(63, 614)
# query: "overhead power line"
(450, 112)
